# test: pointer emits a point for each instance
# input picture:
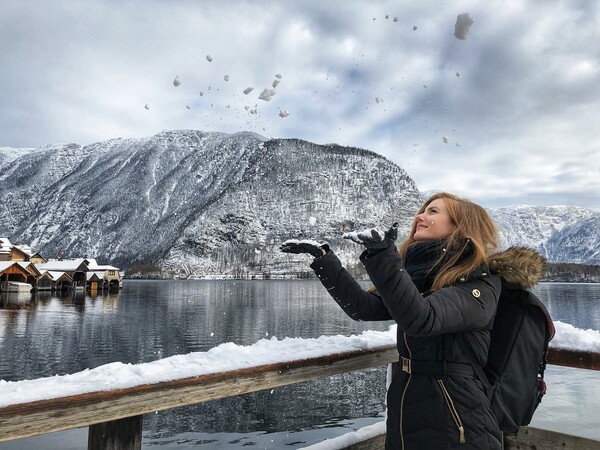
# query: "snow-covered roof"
(55, 275)
(25, 249)
(65, 265)
(4, 242)
(103, 268)
(90, 275)
(6, 264)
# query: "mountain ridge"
(200, 203)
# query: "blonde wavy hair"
(474, 225)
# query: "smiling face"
(434, 223)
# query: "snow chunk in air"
(147, 106)
(312, 220)
(463, 23)
(226, 77)
(248, 90)
(283, 113)
(267, 94)
(209, 58)
(176, 81)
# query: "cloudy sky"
(517, 100)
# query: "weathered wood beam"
(29, 419)
(574, 358)
(530, 438)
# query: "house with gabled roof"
(32, 256)
(10, 252)
(75, 268)
(5, 249)
(53, 280)
(111, 277)
(16, 271)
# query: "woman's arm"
(358, 303)
(466, 306)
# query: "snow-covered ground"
(227, 357)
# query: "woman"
(436, 286)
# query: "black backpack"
(514, 373)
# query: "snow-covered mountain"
(547, 228)
(201, 204)
(9, 154)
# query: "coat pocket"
(453, 412)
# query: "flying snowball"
(395, 19)
(248, 90)
(176, 81)
(267, 94)
(283, 113)
(209, 58)
(378, 99)
(312, 220)
(415, 27)
(463, 23)
(276, 83)
(278, 75)
(445, 139)
(226, 77)
(147, 106)
(201, 93)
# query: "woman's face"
(434, 222)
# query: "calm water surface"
(150, 320)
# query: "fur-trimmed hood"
(520, 266)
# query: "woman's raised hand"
(373, 239)
(311, 247)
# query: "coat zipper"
(453, 412)
(403, 394)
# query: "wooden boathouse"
(19, 263)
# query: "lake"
(149, 320)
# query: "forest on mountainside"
(571, 273)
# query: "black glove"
(372, 238)
(306, 246)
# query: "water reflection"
(46, 334)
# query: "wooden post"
(122, 434)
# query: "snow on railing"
(227, 357)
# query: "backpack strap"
(468, 351)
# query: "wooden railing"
(115, 416)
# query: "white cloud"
(523, 110)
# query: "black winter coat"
(426, 411)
